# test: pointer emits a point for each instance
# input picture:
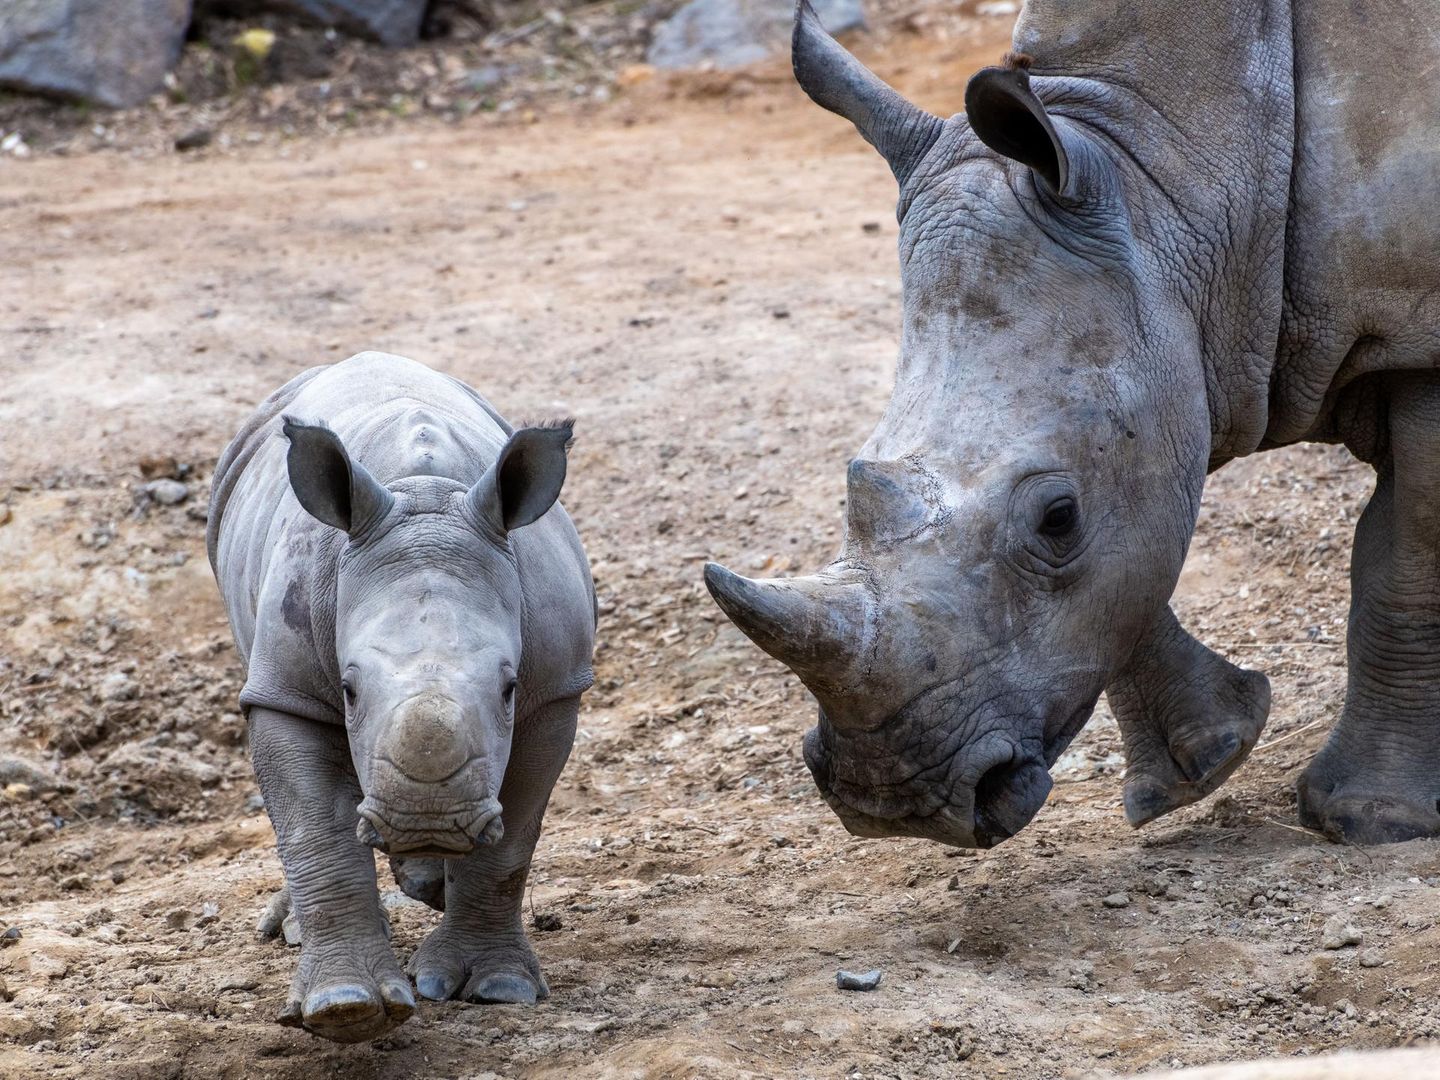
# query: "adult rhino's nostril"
(1007, 797)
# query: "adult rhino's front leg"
(1377, 779)
(348, 986)
(480, 952)
(1188, 718)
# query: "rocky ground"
(703, 272)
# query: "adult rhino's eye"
(349, 691)
(1060, 518)
(509, 691)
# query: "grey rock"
(16, 770)
(1117, 900)
(733, 33)
(167, 492)
(11, 936)
(111, 52)
(850, 980)
(1340, 932)
(118, 686)
(391, 22)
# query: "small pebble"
(167, 492)
(1117, 900)
(850, 980)
(1371, 958)
(10, 937)
(548, 920)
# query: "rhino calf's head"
(1023, 509)
(428, 630)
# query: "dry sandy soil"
(706, 280)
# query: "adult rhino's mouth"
(976, 795)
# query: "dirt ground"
(706, 279)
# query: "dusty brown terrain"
(708, 282)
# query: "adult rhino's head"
(428, 630)
(1023, 509)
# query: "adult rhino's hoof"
(1353, 815)
(1192, 772)
(1181, 749)
(351, 1012)
(498, 969)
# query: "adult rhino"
(1162, 236)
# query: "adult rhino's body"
(1163, 236)
(416, 619)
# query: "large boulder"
(390, 22)
(111, 52)
(732, 33)
(1410, 1064)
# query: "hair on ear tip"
(564, 423)
(289, 423)
(1017, 61)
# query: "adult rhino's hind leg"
(1188, 718)
(1377, 779)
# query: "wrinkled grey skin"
(416, 618)
(1187, 233)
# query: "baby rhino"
(416, 618)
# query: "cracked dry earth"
(709, 286)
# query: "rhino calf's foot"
(420, 879)
(498, 968)
(349, 995)
(1188, 718)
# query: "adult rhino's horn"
(835, 80)
(815, 627)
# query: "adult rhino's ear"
(1007, 117)
(526, 478)
(835, 80)
(331, 487)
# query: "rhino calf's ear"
(1008, 118)
(330, 487)
(526, 478)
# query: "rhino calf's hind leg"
(348, 986)
(479, 952)
(1377, 778)
(1188, 718)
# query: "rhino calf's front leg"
(480, 952)
(348, 986)
(1188, 718)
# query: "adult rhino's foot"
(1188, 718)
(1357, 798)
(494, 968)
(351, 992)
(420, 879)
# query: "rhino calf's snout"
(427, 741)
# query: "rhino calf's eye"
(1060, 518)
(509, 691)
(349, 692)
